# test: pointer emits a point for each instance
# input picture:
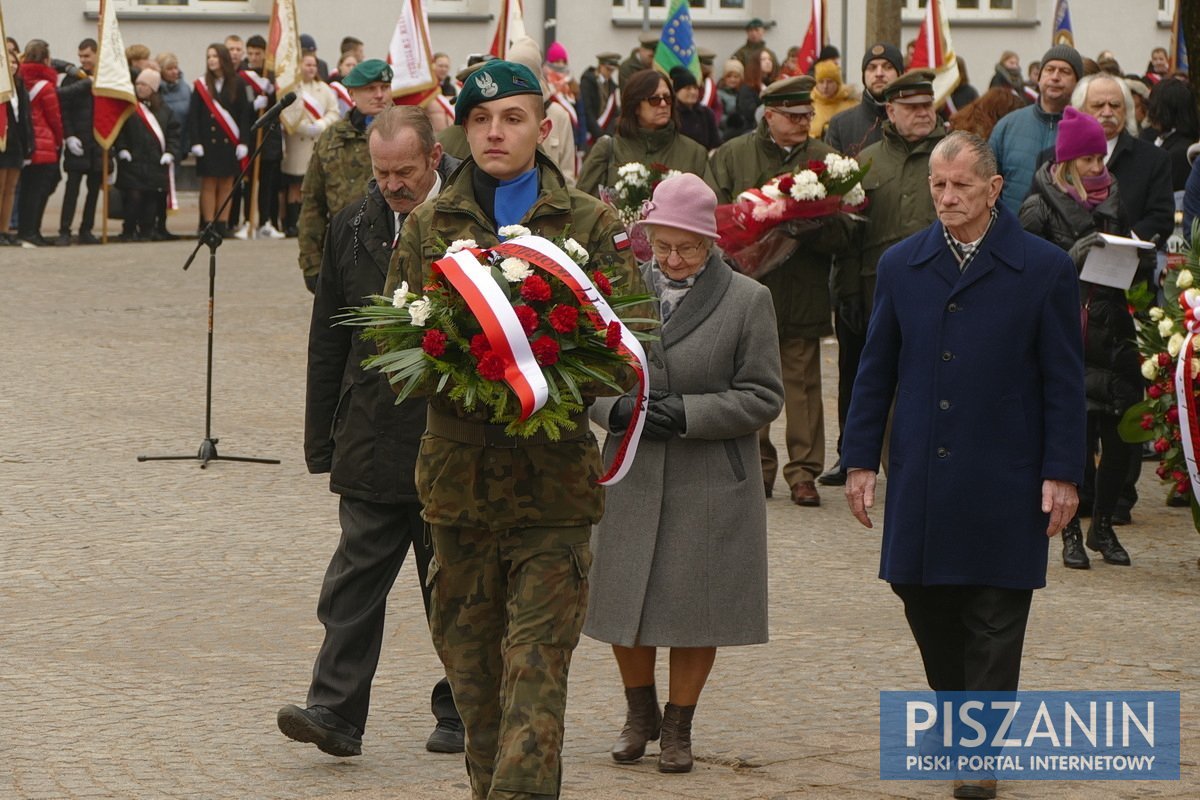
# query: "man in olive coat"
(975, 339)
(355, 431)
(799, 287)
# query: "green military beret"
(913, 87)
(611, 59)
(370, 71)
(493, 81)
(756, 23)
(790, 95)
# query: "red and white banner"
(224, 119)
(113, 98)
(411, 57)
(934, 51)
(7, 92)
(1185, 390)
(283, 46)
(569, 106)
(313, 106)
(510, 26)
(815, 37)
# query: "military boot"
(1074, 556)
(1103, 539)
(642, 723)
(676, 755)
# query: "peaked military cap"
(611, 59)
(705, 55)
(648, 40)
(494, 80)
(372, 70)
(790, 95)
(913, 87)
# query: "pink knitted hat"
(556, 52)
(1078, 135)
(684, 202)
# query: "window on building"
(225, 7)
(965, 9)
(1166, 10)
(699, 9)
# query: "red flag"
(510, 26)
(934, 51)
(112, 89)
(815, 38)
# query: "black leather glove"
(1080, 249)
(621, 413)
(311, 282)
(852, 313)
(665, 416)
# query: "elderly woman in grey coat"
(681, 553)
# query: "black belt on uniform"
(479, 434)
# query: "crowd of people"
(518, 550)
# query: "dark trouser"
(140, 207)
(850, 348)
(37, 184)
(970, 637)
(270, 184)
(1115, 455)
(375, 540)
(71, 198)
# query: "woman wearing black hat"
(696, 120)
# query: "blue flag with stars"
(676, 44)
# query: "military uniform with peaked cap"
(510, 518)
(646, 41)
(338, 171)
(595, 90)
(799, 287)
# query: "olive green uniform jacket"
(497, 488)
(666, 146)
(799, 286)
(337, 176)
(897, 186)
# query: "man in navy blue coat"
(975, 333)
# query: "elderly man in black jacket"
(355, 431)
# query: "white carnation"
(806, 176)
(513, 231)
(400, 296)
(1156, 314)
(840, 167)
(633, 170)
(856, 196)
(576, 251)
(672, 173)
(461, 244)
(1165, 327)
(418, 311)
(515, 269)
(807, 191)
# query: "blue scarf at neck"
(514, 198)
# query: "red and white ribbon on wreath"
(501, 326)
(1185, 388)
(549, 257)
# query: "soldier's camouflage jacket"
(337, 176)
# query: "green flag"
(676, 45)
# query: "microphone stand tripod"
(211, 238)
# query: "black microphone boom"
(273, 112)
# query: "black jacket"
(699, 123)
(353, 428)
(144, 171)
(219, 160)
(855, 128)
(1175, 145)
(19, 145)
(1112, 375)
(75, 100)
(589, 92)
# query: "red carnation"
(528, 318)
(817, 167)
(1173, 415)
(786, 183)
(602, 283)
(545, 351)
(434, 342)
(612, 337)
(1161, 445)
(564, 319)
(491, 367)
(1164, 359)
(659, 166)
(480, 346)
(535, 289)
(1155, 392)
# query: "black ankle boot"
(1103, 539)
(291, 222)
(643, 721)
(676, 755)
(1073, 555)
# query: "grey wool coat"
(680, 556)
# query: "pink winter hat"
(684, 202)
(1078, 135)
(556, 52)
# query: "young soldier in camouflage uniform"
(510, 517)
(341, 166)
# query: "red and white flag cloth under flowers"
(507, 338)
(1185, 388)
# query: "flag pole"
(252, 197)
(104, 193)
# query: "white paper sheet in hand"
(1115, 263)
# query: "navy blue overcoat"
(986, 369)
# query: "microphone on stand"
(273, 112)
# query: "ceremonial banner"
(411, 57)
(112, 90)
(6, 88)
(934, 51)
(1062, 24)
(816, 37)
(1179, 54)
(509, 27)
(676, 44)
(283, 46)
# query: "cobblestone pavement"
(153, 616)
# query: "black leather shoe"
(320, 726)
(1103, 539)
(63, 240)
(86, 237)
(834, 476)
(1073, 555)
(447, 737)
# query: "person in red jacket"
(41, 175)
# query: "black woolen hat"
(682, 77)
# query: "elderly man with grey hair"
(975, 337)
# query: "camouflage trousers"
(506, 611)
